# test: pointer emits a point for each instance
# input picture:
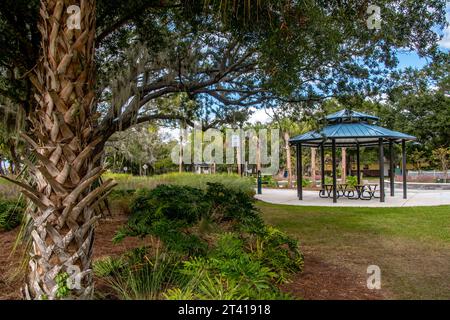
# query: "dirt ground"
(323, 281)
(318, 281)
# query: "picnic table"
(363, 191)
(328, 189)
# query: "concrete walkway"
(311, 198)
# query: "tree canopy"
(225, 55)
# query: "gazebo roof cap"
(348, 115)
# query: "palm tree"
(313, 166)
(344, 165)
(288, 158)
(63, 137)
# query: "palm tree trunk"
(344, 165)
(63, 136)
(239, 159)
(180, 154)
(313, 166)
(288, 158)
(258, 155)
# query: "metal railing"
(428, 173)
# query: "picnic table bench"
(360, 191)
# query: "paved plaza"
(311, 198)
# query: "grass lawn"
(8, 190)
(410, 245)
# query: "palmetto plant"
(138, 277)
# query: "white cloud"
(261, 115)
(169, 133)
(445, 42)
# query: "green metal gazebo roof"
(349, 128)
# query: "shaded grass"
(8, 190)
(411, 245)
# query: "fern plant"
(11, 213)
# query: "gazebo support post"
(404, 169)
(322, 164)
(391, 167)
(381, 166)
(358, 164)
(333, 155)
(299, 172)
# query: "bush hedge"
(219, 247)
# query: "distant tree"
(419, 103)
(418, 159)
(442, 156)
(135, 147)
(11, 146)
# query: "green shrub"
(278, 251)
(121, 193)
(231, 205)
(352, 181)
(229, 272)
(108, 266)
(11, 213)
(306, 183)
(245, 262)
(169, 232)
(328, 180)
(207, 287)
(137, 275)
(171, 202)
(268, 181)
(168, 210)
(165, 212)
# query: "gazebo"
(348, 128)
